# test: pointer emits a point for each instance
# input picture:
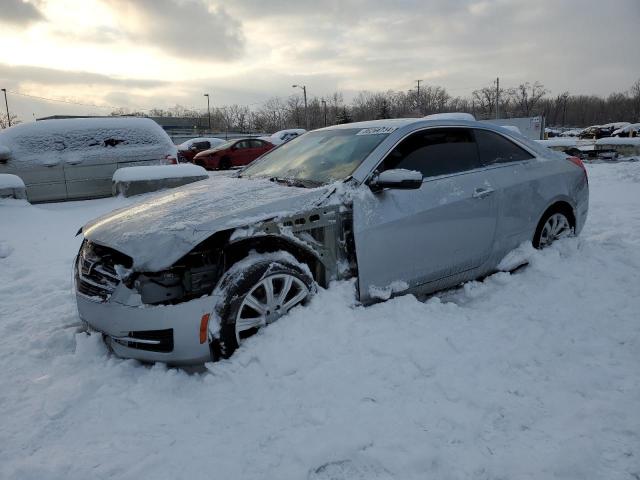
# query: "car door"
(517, 177)
(241, 153)
(42, 175)
(39, 163)
(88, 170)
(433, 234)
(258, 147)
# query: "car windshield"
(319, 157)
(223, 146)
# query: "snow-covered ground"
(534, 374)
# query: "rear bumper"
(582, 207)
(166, 333)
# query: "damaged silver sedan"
(404, 206)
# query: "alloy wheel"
(271, 298)
(557, 226)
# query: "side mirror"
(399, 179)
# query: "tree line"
(526, 100)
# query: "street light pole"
(7, 106)
(304, 92)
(418, 99)
(208, 111)
(324, 106)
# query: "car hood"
(160, 230)
(206, 153)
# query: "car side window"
(435, 152)
(243, 144)
(201, 145)
(494, 148)
(255, 143)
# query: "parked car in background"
(573, 132)
(283, 136)
(601, 131)
(404, 206)
(631, 130)
(189, 149)
(65, 159)
(234, 153)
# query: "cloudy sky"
(158, 53)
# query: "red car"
(234, 153)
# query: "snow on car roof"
(212, 140)
(155, 172)
(87, 135)
(299, 131)
(451, 116)
(397, 123)
(62, 125)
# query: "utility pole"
(208, 111)
(7, 106)
(324, 107)
(497, 96)
(304, 92)
(418, 100)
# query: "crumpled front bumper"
(124, 327)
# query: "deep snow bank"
(528, 375)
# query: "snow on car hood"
(163, 228)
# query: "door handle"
(482, 192)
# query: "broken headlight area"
(193, 276)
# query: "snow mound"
(8, 180)
(384, 293)
(517, 257)
(451, 116)
(530, 375)
(5, 152)
(157, 172)
(5, 249)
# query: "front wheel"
(256, 295)
(553, 226)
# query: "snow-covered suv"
(404, 206)
(61, 159)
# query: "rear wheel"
(258, 295)
(554, 225)
(224, 164)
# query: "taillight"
(579, 163)
(172, 160)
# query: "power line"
(60, 100)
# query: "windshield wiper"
(295, 182)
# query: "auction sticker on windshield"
(376, 130)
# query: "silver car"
(71, 159)
(404, 206)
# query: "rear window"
(494, 148)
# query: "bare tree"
(634, 94)
(4, 120)
(484, 102)
(526, 96)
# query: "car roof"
(411, 123)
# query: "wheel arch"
(237, 250)
(561, 204)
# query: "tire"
(224, 163)
(556, 223)
(245, 285)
